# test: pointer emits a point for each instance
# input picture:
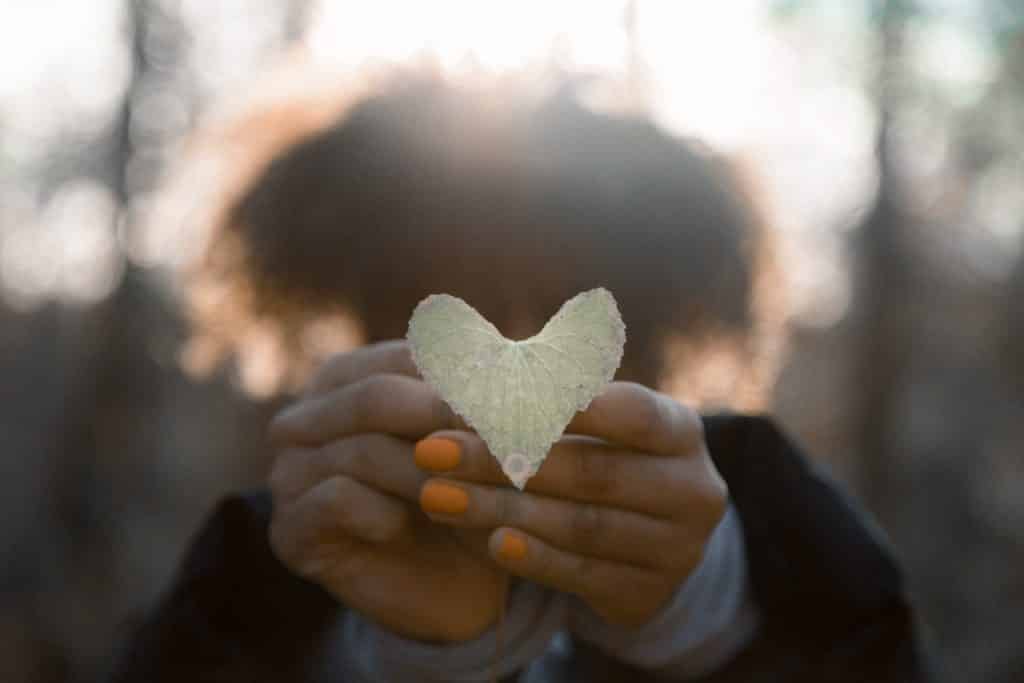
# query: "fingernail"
(442, 498)
(438, 455)
(513, 546)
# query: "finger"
(579, 468)
(636, 417)
(621, 593)
(387, 403)
(391, 357)
(381, 461)
(592, 530)
(320, 527)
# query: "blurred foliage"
(934, 413)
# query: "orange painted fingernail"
(443, 498)
(513, 546)
(438, 455)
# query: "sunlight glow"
(716, 71)
(467, 33)
(729, 74)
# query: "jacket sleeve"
(233, 612)
(831, 598)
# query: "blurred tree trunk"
(108, 470)
(1011, 346)
(95, 446)
(884, 293)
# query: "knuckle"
(310, 547)
(718, 500)
(509, 507)
(323, 505)
(542, 564)
(282, 542)
(650, 416)
(690, 427)
(587, 522)
(342, 488)
(328, 564)
(392, 527)
(385, 527)
(329, 375)
(366, 399)
(669, 423)
(696, 497)
(358, 455)
(282, 480)
(672, 428)
(584, 574)
(277, 482)
(678, 491)
(399, 355)
(712, 497)
(595, 475)
(331, 499)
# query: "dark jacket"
(831, 597)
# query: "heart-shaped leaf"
(518, 395)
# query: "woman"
(654, 543)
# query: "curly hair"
(513, 203)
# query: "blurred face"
(402, 199)
(512, 275)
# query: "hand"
(345, 491)
(618, 514)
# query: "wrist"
(366, 651)
(707, 621)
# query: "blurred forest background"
(887, 138)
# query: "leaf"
(518, 395)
